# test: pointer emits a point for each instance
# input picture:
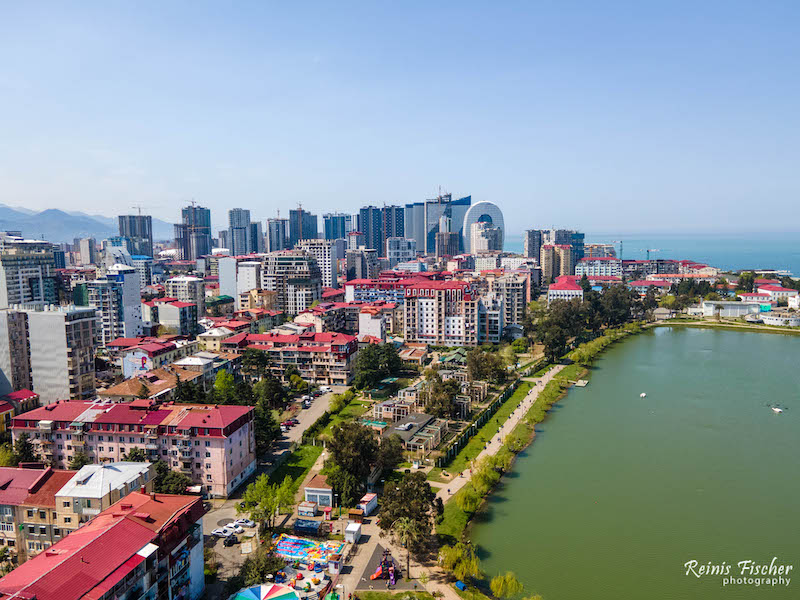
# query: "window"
(163, 452)
(131, 440)
(197, 455)
(30, 512)
(67, 519)
(208, 454)
(88, 503)
(66, 503)
(208, 465)
(208, 444)
(208, 477)
(197, 442)
(31, 530)
(100, 438)
(174, 442)
(58, 436)
(42, 514)
(60, 446)
(196, 465)
(69, 448)
(56, 532)
(42, 530)
(100, 449)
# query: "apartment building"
(214, 445)
(320, 358)
(117, 298)
(27, 271)
(599, 265)
(515, 291)
(60, 343)
(327, 257)
(296, 278)
(188, 289)
(143, 547)
(387, 289)
(556, 260)
(441, 313)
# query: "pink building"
(214, 445)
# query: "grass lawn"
(471, 593)
(297, 465)
(354, 410)
(489, 430)
(454, 521)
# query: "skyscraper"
(370, 223)
(193, 233)
(492, 232)
(444, 205)
(256, 237)
(337, 225)
(277, 238)
(117, 298)
(485, 238)
(139, 231)
(414, 223)
(532, 243)
(326, 255)
(239, 231)
(392, 225)
(26, 271)
(302, 226)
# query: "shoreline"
(755, 328)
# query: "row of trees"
(375, 362)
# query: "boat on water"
(777, 410)
(642, 395)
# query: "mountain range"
(58, 226)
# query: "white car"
(244, 523)
(235, 527)
(222, 531)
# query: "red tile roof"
(775, 288)
(21, 395)
(644, 283)
(565, 284)
(43, 491)
(15, 484)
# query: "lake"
(618, 492)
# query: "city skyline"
(561, 112)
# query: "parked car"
(306, 397)
(236, 528)
(324, 389)
(294, 421)
(244, 523)
(230, 540)
(222, 531)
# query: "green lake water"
(618, 492)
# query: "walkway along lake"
(618, 492)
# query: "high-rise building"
(60, 341)
(239, 231)
(144, 266)
(188, 289)
(224, 239)
(355, 240)
(447, 243)
(564, 237)
(325, 253)
(441, 313)
(277, 238)
(531, 243)
(555, 260)
(15, 358)
(362, 263)
(485, 238)
(88, 250)
(370, 223)
(295, 276)
(27, 271)
(337, 225)
(513, 288)
(302, 226)
(138, 229)
(490, 214)
(455, 210)
(599, 250)
(193, 233)
(117, 298)
(392, 225)
(414, 223)
(400, 250)
(256, 237)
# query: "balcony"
(185, 467)
(78, 443)
(46, 441)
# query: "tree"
(144, 393)
(168, 481)
(265, 427)
(584, 283)
(243, 393)
(460, 560)
(562, 320)
(410, 498)
(259, 565)
(390, 453)
(79, 459)
(23, 449)
(375, 362)
(354, 449)
(747, 281)
(406, 531)
(440, 396)
(224, 388)
(269, 391)
(260, 499)
(506, 585)
(298, 383)
(285, 493)
(255, 363)
(136, 454)
(7, 456)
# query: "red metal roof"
(21, 395)
(15, 483)
(565, 285)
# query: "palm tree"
(405, 531)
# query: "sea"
(779, 251)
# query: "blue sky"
(612, 116)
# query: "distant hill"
(57, 225)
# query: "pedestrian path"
(448, 490)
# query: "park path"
(449, 489)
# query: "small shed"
(307, 509)
(326, 513)
(356, 515)
(334, 564)
(369, 504)
(352, 533)
(319, 491)
(307, 527)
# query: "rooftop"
(94, 481)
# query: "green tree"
(375, 362)
(259, 565)
(506, 585)
(584, 283)
(390, 453)
(7, 456)
(354, 449)
(440, 396)
(412, 499)
(136, 454)
(79, 459)
(460, 560)
(260, 499)
(23, 449)
(255, 363)
(405, 531)
(747, 281)
(265, 427)
(269, 391)
(225, 388)
(144, 393)
(169, 482)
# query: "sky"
(602, 116)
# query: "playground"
(293, 548)
(383, 571)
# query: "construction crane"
(139, 208)
(649, 250)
